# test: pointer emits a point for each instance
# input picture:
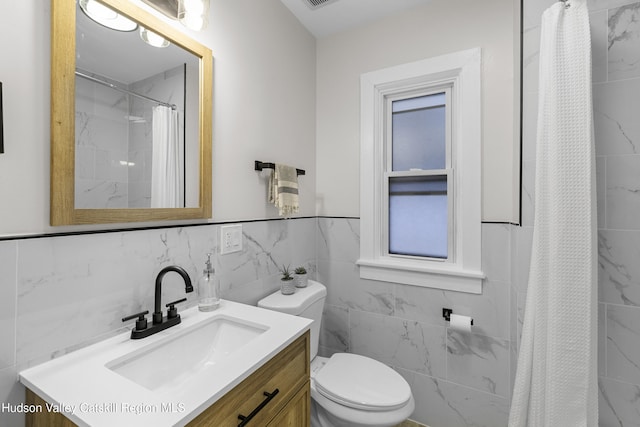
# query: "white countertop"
(90, 394)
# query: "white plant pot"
(302, 280)
(287, 287)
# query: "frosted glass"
(418, 216)
(419, 133)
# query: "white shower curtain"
(556, 380)
(166, 168)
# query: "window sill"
(445, 276)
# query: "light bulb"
(106, 16)
(100, 11)
(193, 14)
(195, 7)
(152, 38)
(193, 21)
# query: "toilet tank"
(306, 302)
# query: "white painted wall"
(264, 103)
(263, 108)
(440, 27)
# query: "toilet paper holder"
(447, 312)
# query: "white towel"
(283, 190)
(556, 380)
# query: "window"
(420, 173)
(417, 167)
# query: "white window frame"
(389, 173)
(461, 271)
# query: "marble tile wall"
(458, 379)
(57, 296)
(615, 33)
(61, 293)
(102, 136)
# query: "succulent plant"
(286, 274)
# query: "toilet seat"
(360, 382)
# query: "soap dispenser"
(208, 288)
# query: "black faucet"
(188, 287)
(160, 323)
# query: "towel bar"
(263, 165)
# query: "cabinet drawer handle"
(244, 420)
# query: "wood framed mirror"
(71, 175)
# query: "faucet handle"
(141, 323)
(173, 311)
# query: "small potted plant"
(287, 285)
(300, 275)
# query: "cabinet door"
(287, 372)
(297, 413)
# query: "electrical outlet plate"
(230, 238)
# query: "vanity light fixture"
(106, 16)
(152, 38)
(193, 14)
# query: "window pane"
(433, 100)
(419, 133)
(418, 216)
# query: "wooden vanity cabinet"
(287, 372)
(290, 406)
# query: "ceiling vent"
(314, 4)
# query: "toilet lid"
(362, 383)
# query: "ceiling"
(340, 15)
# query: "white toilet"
(346, 389)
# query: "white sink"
(168, 378)
(166, 364)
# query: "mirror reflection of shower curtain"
(166, 169)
